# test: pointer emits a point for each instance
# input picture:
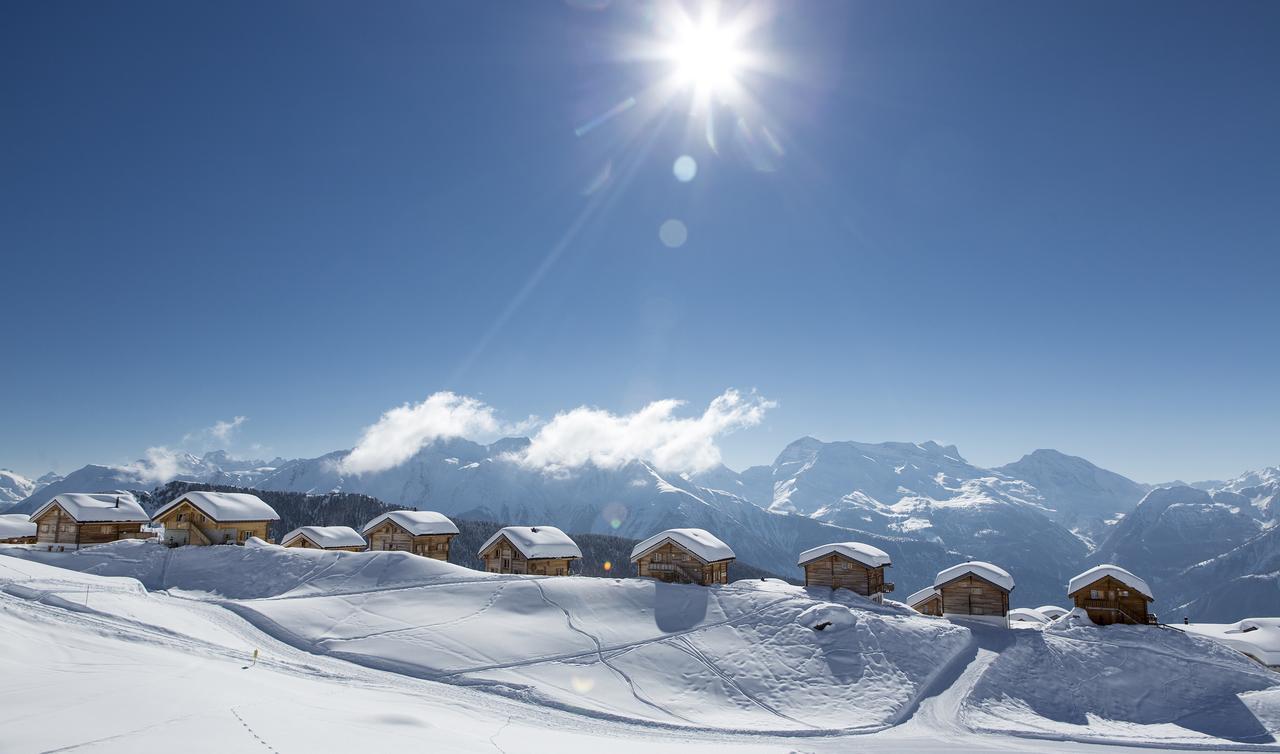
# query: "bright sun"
(707, 57)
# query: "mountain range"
(1209, 550)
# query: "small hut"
(684, 556)
(424, 533)
(847, 565)
(975, 590)
(342, 538)
(1052, 612)
(214, 518)
(1110, 594)
(927, 601)
(74, 519)
(542, 550)
(1027, 616)
(17, 529)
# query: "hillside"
(749, 664)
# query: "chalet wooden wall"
(839, 572)
(672, 563)
(392, 536)
(970, 595)
(57, 527)
(302, 542)
(931, 606)
(503, 557)
(187, 524)
(1109, 601)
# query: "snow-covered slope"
(394, 645)
(14, 487)
(1083, 496)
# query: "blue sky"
(1001, 225)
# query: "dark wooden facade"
(504, 557)
(304, 542)
(390, 535)
(970, 594)
(1109, 600)
(842, 572)
(674, 564)
(931, 605)
(57, 528)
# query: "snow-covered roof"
(326, 536)
(700, 542)
(983, 570)
(1052, 612)
(112, 506)
(537, 542)
(872, 557)
(225, 506)
(14, 525)
(921, 596)
(417, 523)
(1257, 637)
(1027, 614)
(1114, 571)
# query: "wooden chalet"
(75, 519)
(683, 556)
(1052, 612)
(342, 538)
(215, 518)
(847, 565)
(975, 590)
(927, 601)
(1110, 594)
(424, 533)
(543, 550)
(17, 529)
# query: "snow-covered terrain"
(394, 648)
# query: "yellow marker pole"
(255, 658)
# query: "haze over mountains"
(1211, 553)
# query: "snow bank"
(233, 572)
(872, 557)
(993, 573)
(1027, 615)
(14, 525)
(1257, 637)
(700, 542)
(326, 536)
(1123, 683)
(1116, 572)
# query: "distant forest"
(355, 510)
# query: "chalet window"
(506, 563)
(559, 571)
(182, 517)
(244, 535)
(1124, 592)
(105, 528)
(1094, 594)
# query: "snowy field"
(132, 646)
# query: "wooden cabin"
(1052, 612)
(683, 556)
(75, 519)
(847, 565)
(1110, 594)
(341, 538)
(543, 550)
(927, 601)
(424, 533)
(17, 529)
(215, 518)
(975, 590)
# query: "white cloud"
(406, 429)
(590, 435)
(217, 435)
(160, 465)
(571, 439)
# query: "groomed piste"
(751, 658)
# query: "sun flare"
(707, 57)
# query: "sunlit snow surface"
(553, 663)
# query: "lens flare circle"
(673, 234)
(685, 168)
